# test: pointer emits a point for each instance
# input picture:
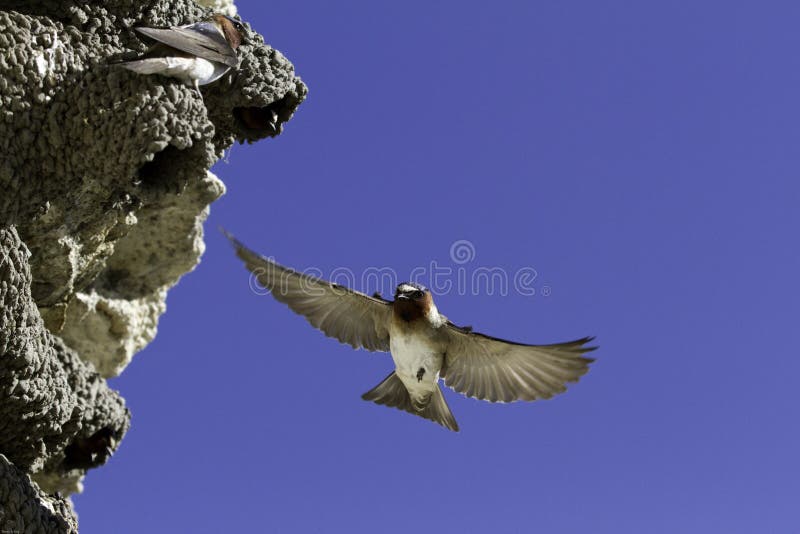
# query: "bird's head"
(411, 291)
(233, 30)
(413, 301)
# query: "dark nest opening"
(91, 451)
(163, 168)
(171, 169)
(265, 121)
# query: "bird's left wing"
(497, 370)
(349, 316)
(202, 39)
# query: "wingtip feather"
(230, 236)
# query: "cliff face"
(104, 186)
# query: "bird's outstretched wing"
(349, 316)
(497, 370)
(201, 39)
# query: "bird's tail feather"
(438, 411)
(393, 393)
(155, 65)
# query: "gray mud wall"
(104, 187)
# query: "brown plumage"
(232, 29)
(409, 311)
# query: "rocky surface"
(26, 508)
(105, 185)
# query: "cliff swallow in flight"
(424, 345)
(197, 54)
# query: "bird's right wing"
(202, 39)
(349, 316)
(493, 369)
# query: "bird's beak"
(403, 297)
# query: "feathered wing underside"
(497, 370)
(393, 393)
(202, 40)
(349, 316)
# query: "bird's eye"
(417, 294)
(236, 24)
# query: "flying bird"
(197, 54)
(424, 344)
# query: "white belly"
(196, 68)
(412, 353)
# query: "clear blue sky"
(642, 158)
